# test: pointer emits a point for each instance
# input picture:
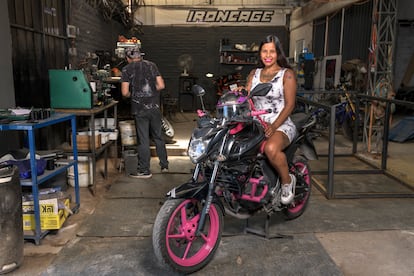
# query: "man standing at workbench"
(142, 81)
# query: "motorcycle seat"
(299, 119)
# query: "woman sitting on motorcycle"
(280, 130)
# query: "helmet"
(232, 106)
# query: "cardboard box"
(83, 140)
(51, 218)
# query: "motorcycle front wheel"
(303, 188)
(176, 244)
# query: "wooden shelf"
(240, 63)
(232, 56)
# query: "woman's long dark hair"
(281, 58)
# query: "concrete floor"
(111, 234)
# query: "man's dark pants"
(148, 125)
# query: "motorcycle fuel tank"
(244, 144)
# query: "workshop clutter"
(128, 139)
(25, 171)
(83, 140)
(102, 134)
(54, 208)
(125, 43)
(21, 160)
(11, 229)
(128, 133)
(130, 158)
(104, 137)
(41, 113)
(85, 172)
(108, 132)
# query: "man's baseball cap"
(133, 52)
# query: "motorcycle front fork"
(209, 197)
(211, 185)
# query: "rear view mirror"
(261, 89)
(198, 90)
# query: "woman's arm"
(249, 80)
(289, 84)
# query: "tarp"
(403, 130)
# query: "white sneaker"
(288, 191)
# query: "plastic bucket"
(128, 133)
(85, 172)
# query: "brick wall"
(164, 45)
(94, 33)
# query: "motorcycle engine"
(234, 179)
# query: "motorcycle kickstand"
(264, 233)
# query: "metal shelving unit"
(94, 152)
(37, 180)
(230, 55)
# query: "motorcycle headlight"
(197, 149)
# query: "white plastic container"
(100, 123)
(85, 172)
(113, 135)
(104, 137)
(128, 133)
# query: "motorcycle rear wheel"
(303, 188)
(175, 242)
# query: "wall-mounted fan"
(185, 62)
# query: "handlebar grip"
(200, 113)
(259, 112)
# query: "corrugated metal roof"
(256, 3)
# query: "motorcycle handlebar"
(259, 112)
(244, 92)
(201, 113)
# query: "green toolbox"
(70, 89)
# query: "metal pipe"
(331, 151)
(385, 136)
(357, 124)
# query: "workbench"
(94, 152)
(36, 180)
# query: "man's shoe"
(288, 191)
(144, 174)
(164, 170)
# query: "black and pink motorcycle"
(231, 176)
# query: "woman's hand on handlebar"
(242, 89)
(239, 88)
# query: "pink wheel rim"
(184, 247)
(299, 204)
